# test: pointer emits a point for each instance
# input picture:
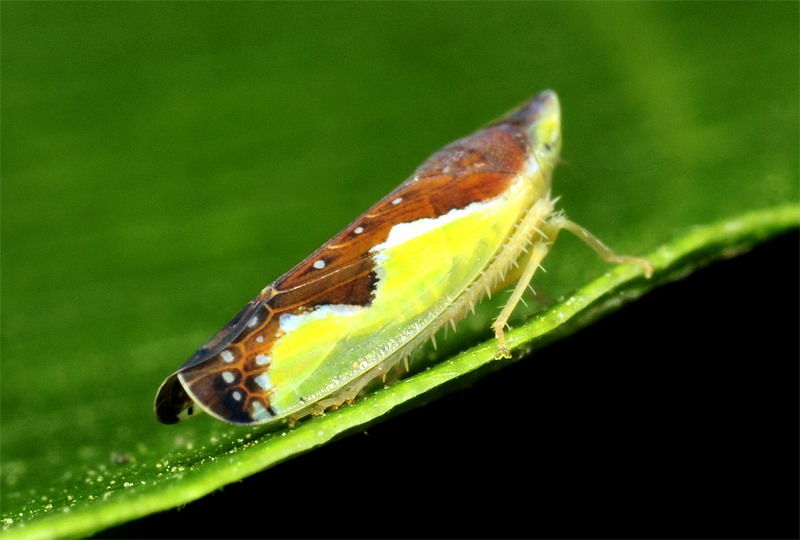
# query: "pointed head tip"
(546, 105)
(541, 119)
(546, 95)
(542, 107)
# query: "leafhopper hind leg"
(547, 235)
(605, 252)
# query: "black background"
(593, 436)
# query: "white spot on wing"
(252, 322)
(319, 265)
(228, 356)
(398, 200)
(358, 230)
(228, 377)
(262, 359)
(260, 339)
(258, 412)
(237, 395)
(264, 382)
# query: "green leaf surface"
(161, 163)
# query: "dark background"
(699, 440)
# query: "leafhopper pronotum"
(474, 217)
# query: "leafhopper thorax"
(418, 259)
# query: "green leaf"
(163, 162)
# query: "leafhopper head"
(540, 121)
(544, 133)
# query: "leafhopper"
(476, 216)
